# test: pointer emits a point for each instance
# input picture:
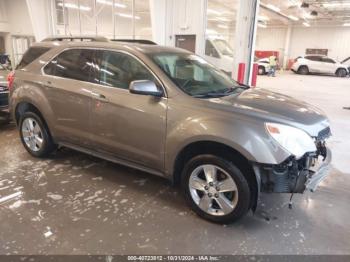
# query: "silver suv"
(168, 112)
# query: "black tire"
(303, 70)
(47, 146)
(261, 70)
(5, 118)
(341, 72)
(244, 194)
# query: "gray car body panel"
(237, 121)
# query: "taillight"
(10, 79)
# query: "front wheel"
(261, 70)
(215, 189)
(303, 70)
(35, 135)
(341, 72)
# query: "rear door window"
(77, 64)
(328, 60)
(32, 54)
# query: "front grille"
(4, 97)
(324, 133)
(3, 88)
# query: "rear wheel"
(215, 189)
(303, 70)
(341, 72)
(35, 135)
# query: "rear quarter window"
(77, 64)
(30, 55)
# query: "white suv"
(319, 64)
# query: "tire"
(261, 70)
(303, 70)
(341, 72)
(5, 119)
(215, 201)
(32, 130)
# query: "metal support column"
(113, 17)
(64, 17)
(79, 17)
(245, 36)
(133, 19)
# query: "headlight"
(294, 140)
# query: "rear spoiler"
(76, 38)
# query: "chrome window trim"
(165, 94)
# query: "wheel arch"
(301, 66)
(341, 68)
(221, 150)
(25, 106)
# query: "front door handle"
(48, 84)
(100, 97)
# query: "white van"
(219, 53)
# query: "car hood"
(274, 107)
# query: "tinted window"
(118, 70)
(75, 64)
(313, 58)
(327, 60)
(31, 54)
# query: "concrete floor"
(76, 204)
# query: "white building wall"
(179, 17)
(18, 17)
(335, 39)
(4, 24)
(271, 39)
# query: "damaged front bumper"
(295, 176)
(320, 174)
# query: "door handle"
(48, 84)
(100, 97)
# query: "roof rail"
(137, 41)
(76, 38)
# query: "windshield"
(223, 47)
(194, 75)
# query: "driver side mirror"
(144, 87)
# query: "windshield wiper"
(217, 93)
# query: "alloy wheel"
(213, 190)
(32, 134)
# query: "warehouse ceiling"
(307, 13)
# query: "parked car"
(263, 65)
(346, 62)
(4, 92)
(318, 64)
(169, 112)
